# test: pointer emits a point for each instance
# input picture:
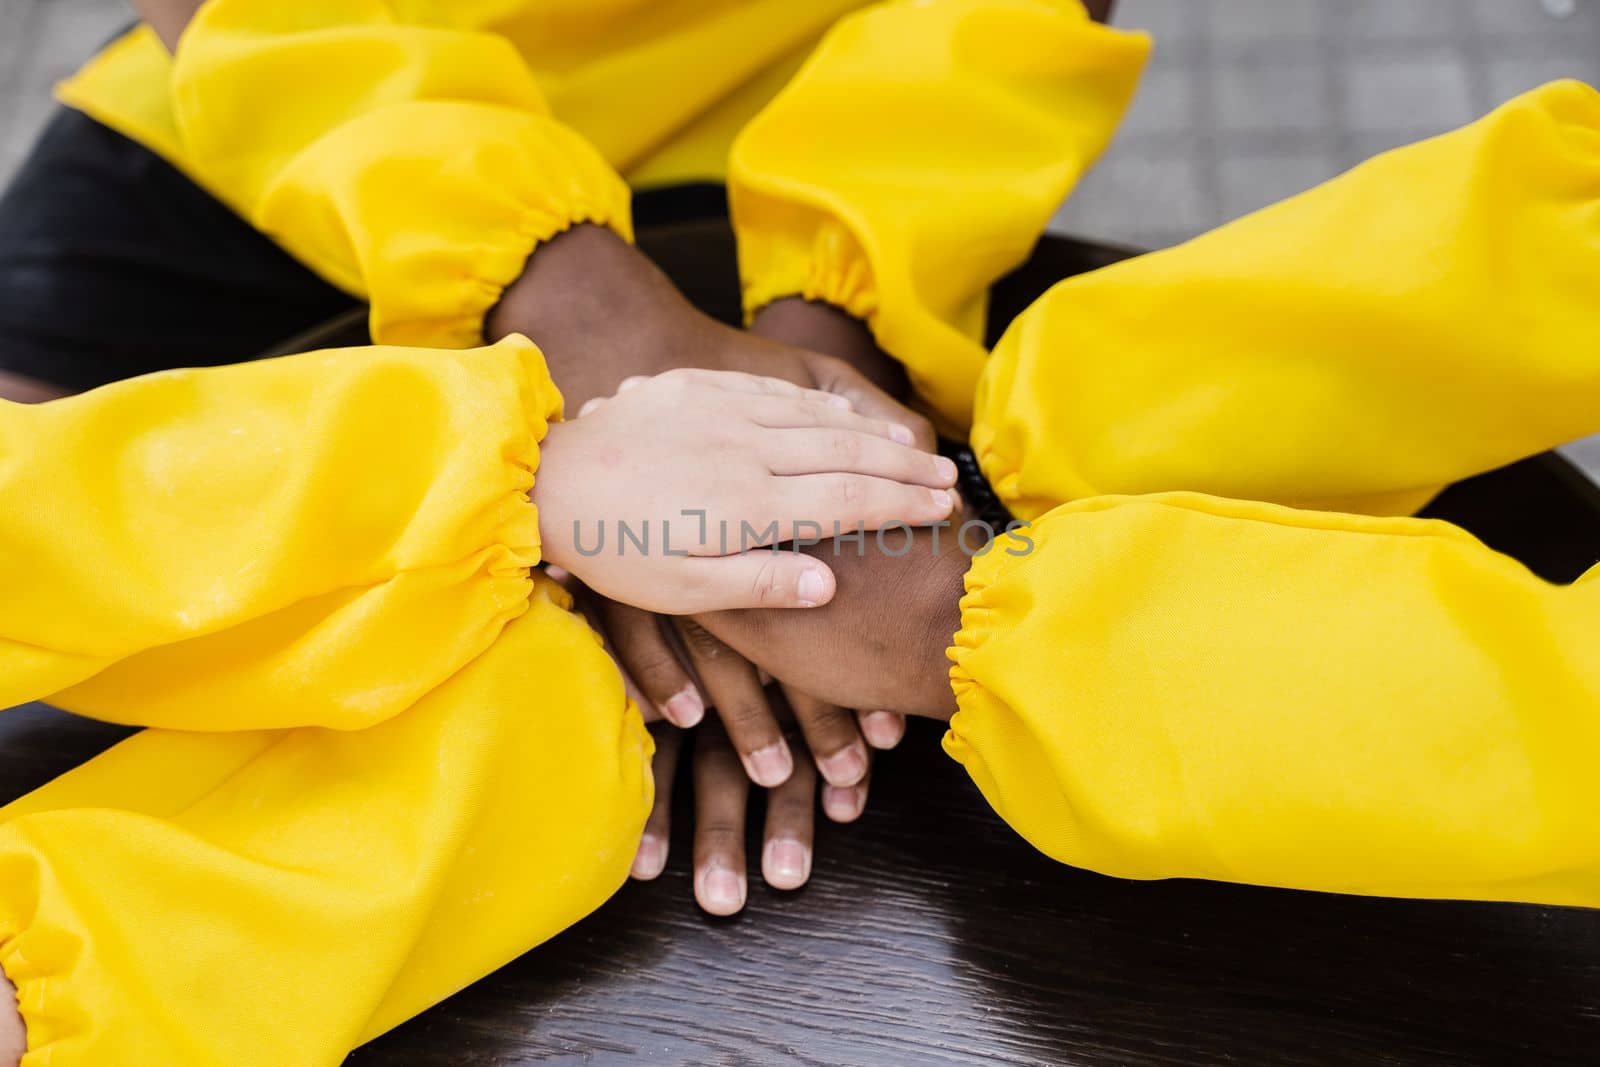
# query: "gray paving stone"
(1429, 91)
(1166, 101)
(1173, 23)
(1509, 77)
(1139, 198)
(1411, 21)
(1245, 20)
(1273, 96)
(1247, 183)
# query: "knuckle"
(654, 665)
(701, 640)
(846, 448)
(848, 492)
(743, 714)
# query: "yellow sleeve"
(1426, 316)
(415, 165)
(917, 157)
(1183, 686)
(275, 898)
(315, 539)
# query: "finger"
(819, 451)
(792, 413)
(741, 382)
(882, 729)
(757, 385)
(791, 819)
(734, 689)
(721, 793)
(847, 803)
(651, 858)
(860, 500)
(647, 656)
(833, 737)
(838, 377)
(758, 579)
(592, 607)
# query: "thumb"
(759, 579)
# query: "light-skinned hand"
(702, 467)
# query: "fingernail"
(588, 406)
(787, 864)
(941, 500)
(813, 587)
(883, 729)
(901, 434)
(770, 766)
(685, 708)
(845, 767)
(651, 859)
(723, 891)
(945, 468)
(842, 805)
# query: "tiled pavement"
(1245, 101)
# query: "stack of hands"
(695, 446)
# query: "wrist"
(598, 309)
(824, 328)
(552, 498)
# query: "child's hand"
(640, 489)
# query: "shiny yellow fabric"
(415, 154)
(315, 539)
(1184, 686)
(1189, 686)
(1426, 316)
(659, 88)
(916, 158)
(268, 898)
(414, 165)
(313, 575)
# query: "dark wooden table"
(934, 935)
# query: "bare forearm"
(167, 18)
(25, 390)
(824, 328)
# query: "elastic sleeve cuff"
(989, 734)
(830, 186)
(434, 245)
(822, 262)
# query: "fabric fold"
(1422, 318)
(915, 158)
(320, 538)
(1184, 686)
(417, 166)
(261, 898)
